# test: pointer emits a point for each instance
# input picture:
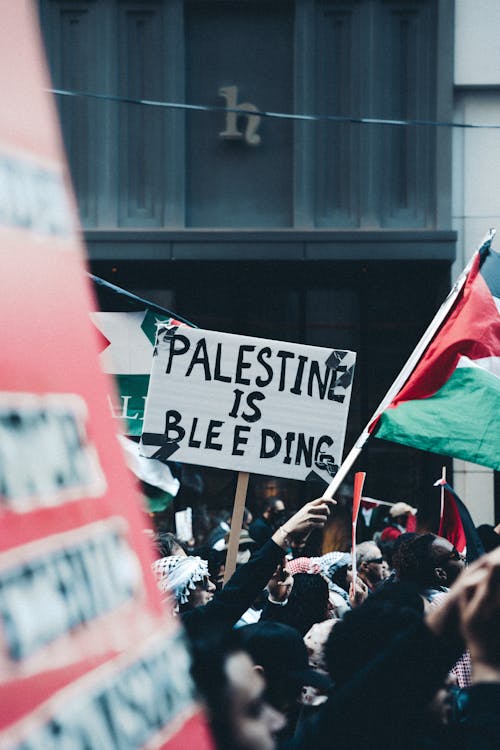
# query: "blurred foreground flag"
(450, 403)
(90, 658)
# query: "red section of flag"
(102, 341)
(359, 480)
(450, 524)
(369, 504)
(195, 733)
(472, 329)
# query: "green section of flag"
(158, 503)
(149, 324)
(132, 391)
(460, 420)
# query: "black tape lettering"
(213, 433)
(236, 404)
(314, 374)
(241, 365)
(264, 352)
(256, 414)
(283, 355)
(264, 453)
(200, 357)
(299, 375)
(172, 420)
(177, 351)
(217, 372)
(304, 450)
(192, 443)
(240, 439)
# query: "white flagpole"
(405, 373)
(443, 482)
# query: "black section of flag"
(474, 544)
(490, 271)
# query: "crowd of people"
(400, 646)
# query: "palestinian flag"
(450, 404)
(126, 326)
(126, 330)
(456, 524)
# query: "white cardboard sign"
(248, 404)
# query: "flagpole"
(152, 305)
(441, 512)
(405, 373)
(359, 480)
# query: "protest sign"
(88, 655)
(249, 404)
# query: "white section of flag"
(149, 470)
(491, 364)
(130, 351)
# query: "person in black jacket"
(224, 608)
(380, 706)
(272, 517)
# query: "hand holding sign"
(311, 516)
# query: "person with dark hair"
(383, 656)
(168, 544)
(400, 675)
(201, 608)
(358, 638)
(272, 517)
(307, 604)
(280, 654)
(234, 693)
(489, 535)
(430, 562)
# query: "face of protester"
(386, 571)
(275, 514)
(447, 561)
(201, 594)
(371, 570)
(252, 722)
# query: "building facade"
(335, 233)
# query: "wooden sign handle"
(236, 524)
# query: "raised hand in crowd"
(470, 612)
(312, 515)
(358, 592)
(280, 584)
(479, 615)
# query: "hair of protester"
(400, 594)
(167, 543)
(358, 637)
(313, 544)
(307, 604)
(389, 547)
(208, 669)
(414, 561)
(339, 577)
(488, 536)
(363, 551)
(281, 652)
(397, 543)
(270, 503)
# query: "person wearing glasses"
(429, 562)
(370, 564)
